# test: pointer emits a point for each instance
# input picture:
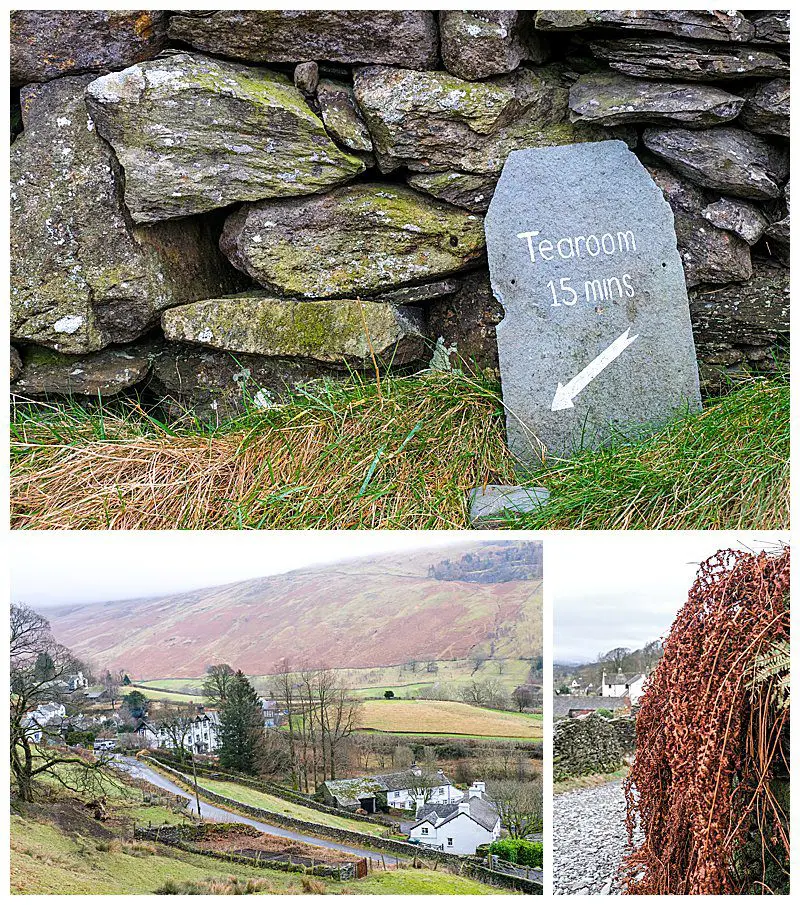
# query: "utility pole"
(194, 774)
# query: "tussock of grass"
(401, 454)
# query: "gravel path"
(589, 840)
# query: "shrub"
(518, 851)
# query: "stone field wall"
(206, 205)
(591, 744)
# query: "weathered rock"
(342, 331)
(342, 118)
(727, 159)
(194, 134)
(105, 373)
(465, 190)
(433, 121)
(216, 386)
(467, 321)
(709, 254)
(15, 363)
(664, 58)
(771, 27)
(766, 108)
(742, 328)
(753, 314)
(415, 295)
(610, 99)
(491, 505)
(740, 217)
(82, 276)
(699, 25)
(596, 336)
(361, 239)
(480, 43)
(306, 78)
(780, 229)
(394, 37)
(47, 44)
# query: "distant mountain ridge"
(366, 612)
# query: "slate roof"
(350, 790)
(563, 703)
(481, 811)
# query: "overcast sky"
(54, 568)
(624, 588)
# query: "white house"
(34, 721)
(78, 681)
(200, 734)
(460, 827)
(401, 790)
(622, 686)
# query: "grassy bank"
(399, 454)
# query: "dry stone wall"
(591, 744)
(212, 206)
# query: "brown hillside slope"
(367, 612)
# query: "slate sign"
(596, 337)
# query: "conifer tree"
(241, 727)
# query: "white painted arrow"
(567, 392)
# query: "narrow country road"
(215, 813)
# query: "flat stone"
(82, 276)
(752, 314)
(105, 373)
(393, 37)
(215, 386)
(780, 229)
(48, 44)
(766, 108)
(611, 99)
(727, 159)
(342, 331)
(434, 122)
(665, 58)
(415, 295)
(466, 323)
(477, 44)
(341, 116)
(709, 254)
(15, 364)
(467, 190)
(771, 27)
(596, 335)
(740, 217)
(361, 239)
(494, 502)
(699, 25)
(194, 134)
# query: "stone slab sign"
(596, 337)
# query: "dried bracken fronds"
(712, 744)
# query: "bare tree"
(176, 720)
(520, 806)
(36, 746)
(616, 657)
(522, 697)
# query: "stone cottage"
(389, 790)
(458, 827)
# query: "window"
(424, 831)
(450, 841)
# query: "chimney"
(463, 806)
(415, 769)
(440, 774)
(420, 800)
(477, 790)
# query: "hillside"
(366, 612)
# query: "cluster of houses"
(616, 692)
(445, 818)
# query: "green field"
(371, 681)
